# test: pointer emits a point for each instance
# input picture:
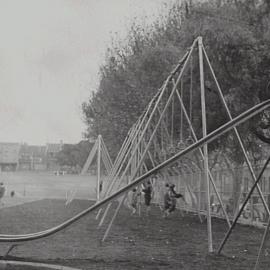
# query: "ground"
(178, 242)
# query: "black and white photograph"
(135, 134)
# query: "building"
(52, 149)
(9, 156)
(16, 156)
(32, 157)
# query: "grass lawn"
(134, 242)
(40, 185)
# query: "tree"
(134, 71)
(74, 155)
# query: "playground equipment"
(210, 137)
(156, 145)
(150, 139)
(101, 153)
(240, 212)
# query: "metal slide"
(210, 137)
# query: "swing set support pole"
(205, 147)
(98, 166)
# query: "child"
(167, 200)
(134, 200)
(100, 186)
(147, 196)
(170, 199)
(175, 194)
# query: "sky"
(50, 53)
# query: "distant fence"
(192, 186)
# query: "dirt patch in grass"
(178, 242)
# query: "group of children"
(170, 198)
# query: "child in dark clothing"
(167, 198)
(147, 190)
(134, 200)
(170, 199)
(174, 193)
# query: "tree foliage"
(74, 155)
(236, 37)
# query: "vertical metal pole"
(98, 168)
(237, 133)
(266, 232)
(205, 147)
